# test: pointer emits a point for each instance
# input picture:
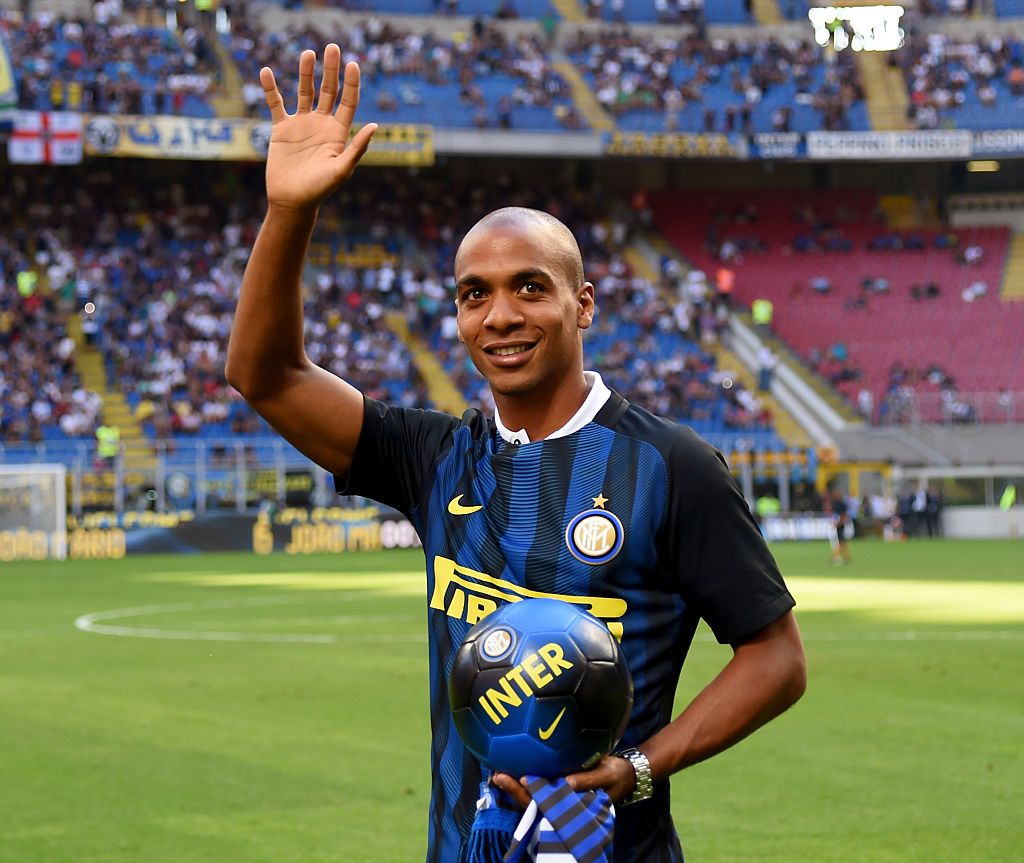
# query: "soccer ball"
(540, 687)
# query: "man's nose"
(504, 312)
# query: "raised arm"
(309, 158)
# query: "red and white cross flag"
(46, 137)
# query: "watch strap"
(644, 789)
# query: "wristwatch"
(644, 789)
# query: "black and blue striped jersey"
(631, 516)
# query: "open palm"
(310, 154)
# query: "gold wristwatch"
(644, 789)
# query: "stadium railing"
(239, 474)
(914, 408)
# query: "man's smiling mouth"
(510, 350)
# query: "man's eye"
(473, 294)
(532, 288)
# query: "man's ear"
(585, 305)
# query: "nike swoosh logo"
(456, 508)
(545, 733)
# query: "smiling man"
(522, 307)
(498, 503)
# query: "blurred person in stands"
(691, 550)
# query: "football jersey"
(630, 516)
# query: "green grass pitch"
(273, 710)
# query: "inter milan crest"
(497, 644)
(595, 535)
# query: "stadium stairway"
(885, 92)
(1013, 280)
(443, 392)
(787, 428)
(582, 96)
(227, 99)
(116, 411)
(569, 10)
(902, 213)
(817, 384)
(767, 12)
(640, 261)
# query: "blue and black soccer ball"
(540, 687)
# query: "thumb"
(356, 148)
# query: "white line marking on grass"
(92, 623)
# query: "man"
(839, 510)
(569, 492)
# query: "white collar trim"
(595, 400)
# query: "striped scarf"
(559, 826)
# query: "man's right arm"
(309, 157)
(317, 412)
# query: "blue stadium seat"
(1009, 8)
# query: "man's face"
(519, 314)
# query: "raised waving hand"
(310, 153)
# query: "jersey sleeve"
(726, 572)
(397, 447)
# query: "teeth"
(507, 352)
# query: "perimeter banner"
(289, 530)
(777, 145)
(675, 145)
(870, 146)
(233, 139)
(798, 526)
(999, 142)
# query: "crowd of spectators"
(666, 74)
(403, 70)
(665, 11)
(153, 269)
(730, 235)
(905, 384)
(40, 388)
(108, 65)
(944, 74)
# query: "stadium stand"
(508, 9)
(975, 84)
(112, 67)
(1009, 8)
(162, 267)
(41, 393)
(694, 84)
(868, 307)
(664, 11)
(484, 80)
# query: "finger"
(607, 774)
(361, 141)
(307, 62)
(512, 787)
(349, 97)
(273, 96)
(329, 82)
(355, 150)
